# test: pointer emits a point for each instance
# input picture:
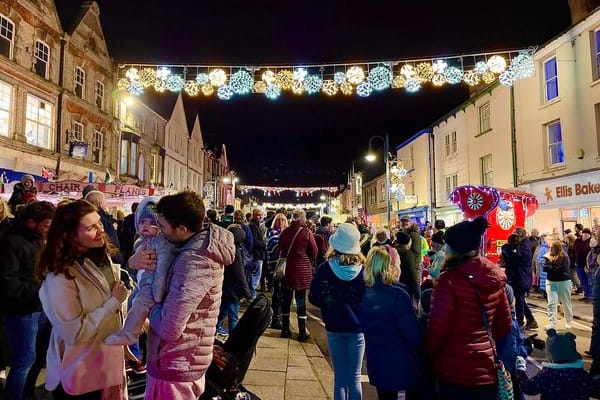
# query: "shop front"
(451, 215)
(420, 215)
(564, 202)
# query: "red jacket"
(298, 272)
(456, 338)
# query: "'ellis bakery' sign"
(577, 188)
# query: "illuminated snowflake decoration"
(523, 65)
(202, 78)
(408, 71)
(147, 76)
(123, 84)
(217, 77)
(380, 78)
(175, 83)
(507, 78)
(312, 84)
(163, 73)
(132, 74)
(497, 64)
(192, 88)
(284, 79)
(241, 82)
(355, 75)
(439, 66)
(260, 87)
(136, 88)
(364, 89)
(225, 92)
(471, 78)
(330, 88)
(339, 77)
(268, 77)
(160, 86)
(272, 92)
(412, 85)
(346, 88)
(207, 89)
(481, 67)
(438, 79)
(424, 71)
(453, 75)
(298, 87)
(300, 74)
(488, 77)
(399, 81)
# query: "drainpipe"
(432, 193)
(513, 137)
(61, 73)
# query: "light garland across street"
(362, 79)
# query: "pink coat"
(182, 327)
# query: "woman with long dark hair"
(81, 294)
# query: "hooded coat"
(182, 327)
(299, 264)
(456, 338)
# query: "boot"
(276, 321)
(303, 336)
(285, 326)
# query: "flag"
(108, 177)
(3, 180)
(46, 173)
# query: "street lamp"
(387, 157)
(232, 178)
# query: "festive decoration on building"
(397, 189)
(330, 79)
(276, 190)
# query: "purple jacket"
(182, 327)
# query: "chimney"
(581, 9)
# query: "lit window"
(79, 81)
(551, 79)
(7, 35)
(5, 106)
(484, 117)
(597, 55)
(556, 153)
(38, 122)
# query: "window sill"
(483, 133)
(550, 102)
(595, 83)
(551, 170)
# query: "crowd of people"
(89, 297)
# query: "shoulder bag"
(279, 273)
(504, 390)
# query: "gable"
(87, 34)
(178, 115)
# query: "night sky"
(313, 140)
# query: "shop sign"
(62, 186)
(569, 190)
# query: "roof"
(71, 12)
(413, 137)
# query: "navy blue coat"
(518, 266)
(392, 336)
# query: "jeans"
(22, 332)
(230, 309)
(253, 276)
(521, 307)
(586, 285)
(346, 351)
(286, 301)
(135, 348)
(59, 394)
(451, 391)
(559, 291)
(42, 342)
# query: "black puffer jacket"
(235, 286)
(18, 289)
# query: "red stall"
(505, 210)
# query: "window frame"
(549, 145)
(485, 120)
(487, 175)
(451, 182)
(11, 40)
(100, 148)
(38, 122)
(39, 59)
(548, 80)
(99, 94)
(451, 147)
(596, 51)
(75, 135)
(6, 113)
(79, 81)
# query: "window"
(486, 170)
(596, 69)
(79, 81)
(551, 79)
(38, 122)
(450, 142)
(129, 158)
(153, 167)
(155, 130)
(451, 183)
(484, 117)
(99, 94)
(133, 158)
(42, 58)
(5, 106)
(98, 144)
(7, 35)
(77, 133)
(124, 157)
(556, 153)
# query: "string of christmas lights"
(277, 190)
(361, 79)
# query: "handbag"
(279, 273)
(505, 385)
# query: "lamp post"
(387, 157)
(232, 178)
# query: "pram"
(231, 359)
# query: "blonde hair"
(379, 264)
(345, 259)
(5, 210)
(280, 217)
